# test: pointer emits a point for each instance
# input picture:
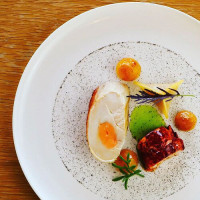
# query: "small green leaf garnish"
(122, 171)
(127, 171)
(126, 161)
(117, 166)
(128, 157)
(118, 178)
(126, 183)
(132, 167)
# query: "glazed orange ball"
(133, 157)
(128, 69)
(185, 120)
(107, 135)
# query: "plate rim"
(33, 60)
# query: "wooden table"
(24, 25)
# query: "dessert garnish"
(127, 170)
(149, 96)
(128, 69)
(185, 120)
(144, 118)
(159, 94)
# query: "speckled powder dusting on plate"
(159, 65)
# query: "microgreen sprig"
(127, 171)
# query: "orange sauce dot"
(133, 158)
(107, 135)
(128, 69)
(185, 120)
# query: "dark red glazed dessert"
(157, 146)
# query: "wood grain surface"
(24, 25)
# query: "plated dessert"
(107, 122)
(130, 112)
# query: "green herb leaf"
(122, 171)
(127, 171)
(124, 179)
(128, 158)
(118, 178)
(137, 171)
(117, 166)
(132, 167)
(123, 159)
(140, 175)
(126, 184)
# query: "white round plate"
(58, 54)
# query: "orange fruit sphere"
(133, 157)
(107, 135)
(185, 120)
(128, 69)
